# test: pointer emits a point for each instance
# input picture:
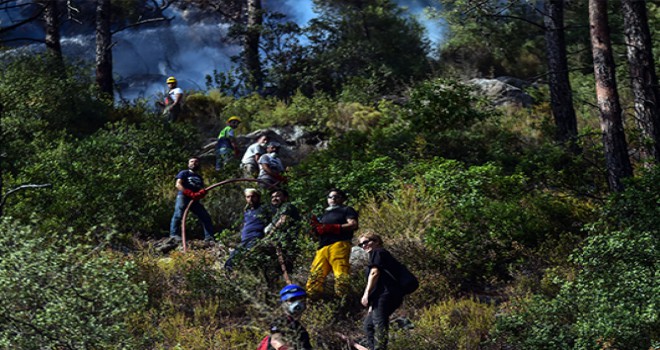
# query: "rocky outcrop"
(504, 91)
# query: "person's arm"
(189, 193)
(179, 185)
(177, 99)
(234, 146)
(374, 273)
(256, 157)
(351, 224)
(282, 221)
(267, 169)
(277, 341)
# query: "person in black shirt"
(335, 231)
(382, 295)
(190, 186)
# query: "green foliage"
(56, 296)
(447, 120)
(312, 112)
(613, 300)
(346, 165)
(112, 179)
(439, 105)
(484, 215)
(350, 41)
(453, 324)
(484, 39)
(42, 100)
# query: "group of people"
(261, 159)
(335, 230)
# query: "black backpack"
(406, 280)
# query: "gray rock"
(503, 94)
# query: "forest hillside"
(530, 214)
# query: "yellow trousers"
(333, 257)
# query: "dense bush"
(119, 177)
(484, 216)
(41, 101)
(612, 302)
(54, 296)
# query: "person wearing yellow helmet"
(226, 147)
(173, 100)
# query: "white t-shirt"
(254, 149)
(273, 162)
(172, 93)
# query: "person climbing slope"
(226, 147)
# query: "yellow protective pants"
(333, 257)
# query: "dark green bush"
(612, 302)
(121, 177)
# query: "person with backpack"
(286, 332)
(384, 291)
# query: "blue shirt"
(254, 222)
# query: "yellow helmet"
(171, 80)
(232, 118)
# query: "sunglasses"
(363, 243)
(334, 197)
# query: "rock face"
(504, 91)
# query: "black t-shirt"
(386, 285)
(190, 180)
(338, 215)
(292, 331)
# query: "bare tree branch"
(19, 188)
(71, 10)
(141, 22)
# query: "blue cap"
(292, 291)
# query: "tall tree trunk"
(643, 77)
(611, 124)
(561, 95)
(2, 151)
(52, 19)
(251, 43)
(104, 47)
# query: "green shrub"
(483, 214)
(437, 106)
(56, 296)
(454, 324)
(612, 301)
(111, 179)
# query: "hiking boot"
(176, 239)
(209, 240)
